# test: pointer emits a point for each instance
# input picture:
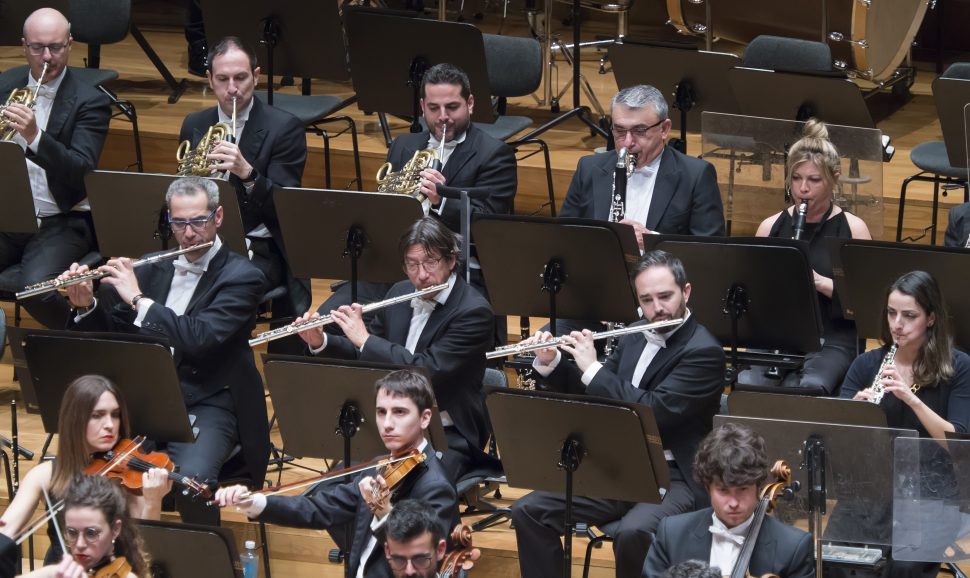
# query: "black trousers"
(538, 519)
(61, 240)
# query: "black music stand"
(141, 367)
(18, 214)
(576, 451)
(691, 80)
(537, 266)
(747, 303)
(131, 218)
(355, 234)
(389, 81)
(301, 386)
(180, 550)
(790, 96)
(870, 267)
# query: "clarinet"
(798, 222)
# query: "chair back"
(951, 93)
(99, 21)
(788, 54)
(514, 64)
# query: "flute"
(518, 348)
(282, 332)
(55, 284)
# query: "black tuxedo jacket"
(341, 503)
(686, 199)
(452, 346)
(211, 340)
(781, 549)
(481, 162)
(70, 146)
(958, 227)
(274, 143)
(682, 385)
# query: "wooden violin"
(126, 463)
(781, 487)
(460, 561)
(117, 568)
(393, 474)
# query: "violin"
(126, 463)
(117, 568)
(393, 474)
(460, 561)
(781, 487)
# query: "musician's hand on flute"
(312, 336)
(226, 156)
(81, 294)
(580, 346)
(430, 178)
(546, 355)
(23, 120)
(120, 274)
(350, 318)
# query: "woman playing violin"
(92, 419)
(102, 539)
(403, 413)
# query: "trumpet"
(55, 284)
(281, 332)
(25, 96)
(518, 348)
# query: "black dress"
(823, 370)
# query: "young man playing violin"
(404, 402)
(732, 464)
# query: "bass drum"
(874, 34)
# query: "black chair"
(933, 159)
(788, 54)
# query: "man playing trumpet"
(62, 136)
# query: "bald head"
(47, 40)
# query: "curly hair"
(733, 455)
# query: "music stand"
(180, 550)
(18, 214)
(579, 269)
(142, 367)
(578, 449)
(691, 80)
(790, 96)
(870, 267)
(131, 218)
(746, 303)
(356, 234)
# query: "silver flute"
(55, 284)
(281, 332)
(518, 348)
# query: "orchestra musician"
(204, 303)
(413, 543)
(447, 333)
(269, 150)
(403, 413)
(732, 464)
(62, 137)
(958, 227)
(103, 540)
(93, 417)
(668, 192)
(813, 170)
(678, 373)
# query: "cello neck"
(740, 569)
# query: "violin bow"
(57, 525)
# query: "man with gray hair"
(204, 303)
(667, 192)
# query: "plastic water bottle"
(250, 560)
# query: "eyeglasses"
(91, 534)
(429, 265)
(420, 562)
(198, 225)
(637, 131)
(37, 48)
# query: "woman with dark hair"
(813, 170)
(92, 419)
(926, 385)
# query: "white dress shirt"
(434, 143)
(726, 543)
(184, 282)
(639, 190)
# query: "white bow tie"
(423, 306)
(45, 92)
(656, 338)
(184, 268)
(433, 143)
(726, 535)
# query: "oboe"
(55, 284)
(877, 389)
(518, 348)
(798, 221)
(282, 332)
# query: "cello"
(781, 487)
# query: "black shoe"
(198, 53)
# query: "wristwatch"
(136, 299)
